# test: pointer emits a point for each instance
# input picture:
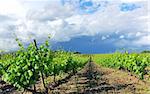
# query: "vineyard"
(37, 69)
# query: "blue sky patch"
(91, 6)
(88, 6)
(128, 7)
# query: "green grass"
(98, 58)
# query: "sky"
(87, 26)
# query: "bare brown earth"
(92, 79)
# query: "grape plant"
(132, 62)
(35, 63)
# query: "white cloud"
(103, 37)
(66, 22)
(11, 7)
(143, 41)
(121, 37)
(138, 34)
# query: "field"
(39, 70)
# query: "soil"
(92, 79)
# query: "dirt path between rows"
(93, 79)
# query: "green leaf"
(30, 73)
